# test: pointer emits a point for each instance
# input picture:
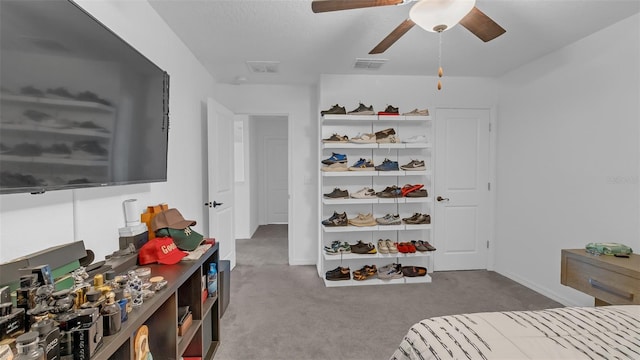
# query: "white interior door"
(461, 222)
(220, 178)
(277, 185)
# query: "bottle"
(212, 280)
(111, 317)
(28, 348)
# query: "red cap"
(161, 250)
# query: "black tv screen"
(79, 106)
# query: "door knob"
(212, 204)
(440, 198)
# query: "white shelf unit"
(351, 125)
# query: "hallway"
(267, 246)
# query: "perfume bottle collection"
(69, 324)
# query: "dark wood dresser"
(610, 280)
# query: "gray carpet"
(267, 246)
(285, 312)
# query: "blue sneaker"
(388, 165)
(362, 165)
(335, 158)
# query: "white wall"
(567, 168)
(29, 223)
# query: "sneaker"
(390, 192)
(423, 245)
(389, 219)
(337, 194)
(364, 193)
(362, 165)
(421, 139)
(382, 246)
(335, 110)
(336, 138)
(390, 110)
(337, 247)
(362, 248)
(408, 188)
(419, 220)
(414, 271)
(386, 136)
(362, 110)
(335, 167)
(339, 273)
(336, 220)
(365, 272)
(364, 138)
(416, 112)
(414, 165)
(363, 220)
(413, 217)
(387, 165)
(418, 193)
(334, 158)
(391, 271)
(393, 247)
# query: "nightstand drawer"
(601, 283)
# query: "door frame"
(491, 206)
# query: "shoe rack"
(403, 153)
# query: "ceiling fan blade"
(481, 25)
(318, 6)
(393, 37)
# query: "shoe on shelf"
(387, 136)
(419, 139)
(414, 271)
(419, 220)
(339, 166)
(389, 219)
(362, 165)
(414, 165)
(387, 165)
(339, 273)
(391, 271)
(334, 158)
(427, 245)
(362, 248)
(419, 245)
(336, 138)
(362, 110)
(382, 246)
(365, 272)
(338, 194)
(364, 193)
(418, 193)
(413, 217)
(403, 248)
(335, 110)
(363, 220)
(390, 110)
(364, 138)
(410, 188)
(416, 112)
(336, 220)
(337, 247)
(390, 192)
(393, 247)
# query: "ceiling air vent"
(263, 67)
(369, 64)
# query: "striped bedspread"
(608, 332)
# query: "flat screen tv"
(79, 107)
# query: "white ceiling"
(225, 34)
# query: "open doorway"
(266, 181)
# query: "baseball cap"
(170, 218)
(186, 239)
(160, 250)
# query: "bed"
(607, 332)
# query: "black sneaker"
(390, 192)
(390, 110)
(339, 273)
(335, 110)
(362, 110)
(337, 194)
(336, 220)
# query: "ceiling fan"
(431, 15)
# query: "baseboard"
(544, 291)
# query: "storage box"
(186, 324)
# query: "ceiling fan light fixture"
(440, 15)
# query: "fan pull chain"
(440, 72)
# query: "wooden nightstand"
(610, 280)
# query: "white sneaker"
(416, 139)
(363, 139)
(364, 193)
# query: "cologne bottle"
(111, 317)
